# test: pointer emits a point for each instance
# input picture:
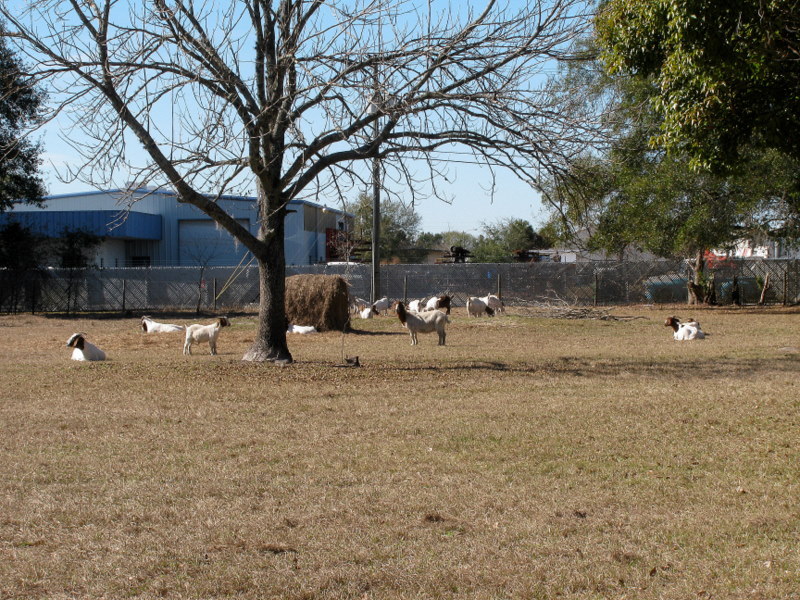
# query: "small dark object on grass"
(350, 361)
(276, 549)
(434, 518)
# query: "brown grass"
(528, 458)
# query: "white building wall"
(111, 253)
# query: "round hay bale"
(318, 300)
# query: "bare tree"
(299, 96)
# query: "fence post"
(596, 287)
(215, 293)
(785, 285)
(500, 285)
(124, 281)
(33, 298)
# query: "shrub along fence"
(231, 289)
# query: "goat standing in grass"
(425, 322)
(381, 306)
(415, 306)
(494, 303)
(439, 303)
(84, 350)
(204, 333)
(477, 308)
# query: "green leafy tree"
(727, 74)
(399, 227)
(20, 105)
(20, 248)
(636, 194)
(500, 240)
(445, 240)
(442, 241)
(75, 248)
(20, 257)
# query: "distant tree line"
(401, 240)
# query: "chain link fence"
(230, 289)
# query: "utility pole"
(376, 202)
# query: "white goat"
(366, 313)
(204, 333)
(494, 303)
(301, 329)
(477, 307)
(358, 305)
(381, 306)
(416, 305)
(424, 322)
(688, 330)
(84, 350)
(150, 326)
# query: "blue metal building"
(145, 227)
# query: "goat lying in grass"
(424, 322)
(151, 326)
(84, 350)
(204, 333)
(688, 330)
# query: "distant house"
(160, 231)
(768, 249)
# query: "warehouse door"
(201, 242)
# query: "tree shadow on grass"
(581, 367)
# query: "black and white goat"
(687, 330)
(439, 303)
(381, 306)
(151, 326)
(84, 350)
(494, 303)
(424, 322)
(204, 333)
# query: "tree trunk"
(200, 290)
(270, 342)
(696, 293)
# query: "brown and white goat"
(151, 326)
(687, 330)
(204, 333)
(83, 349)
(439, 303)
(424, 322)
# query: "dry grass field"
(531, 457)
